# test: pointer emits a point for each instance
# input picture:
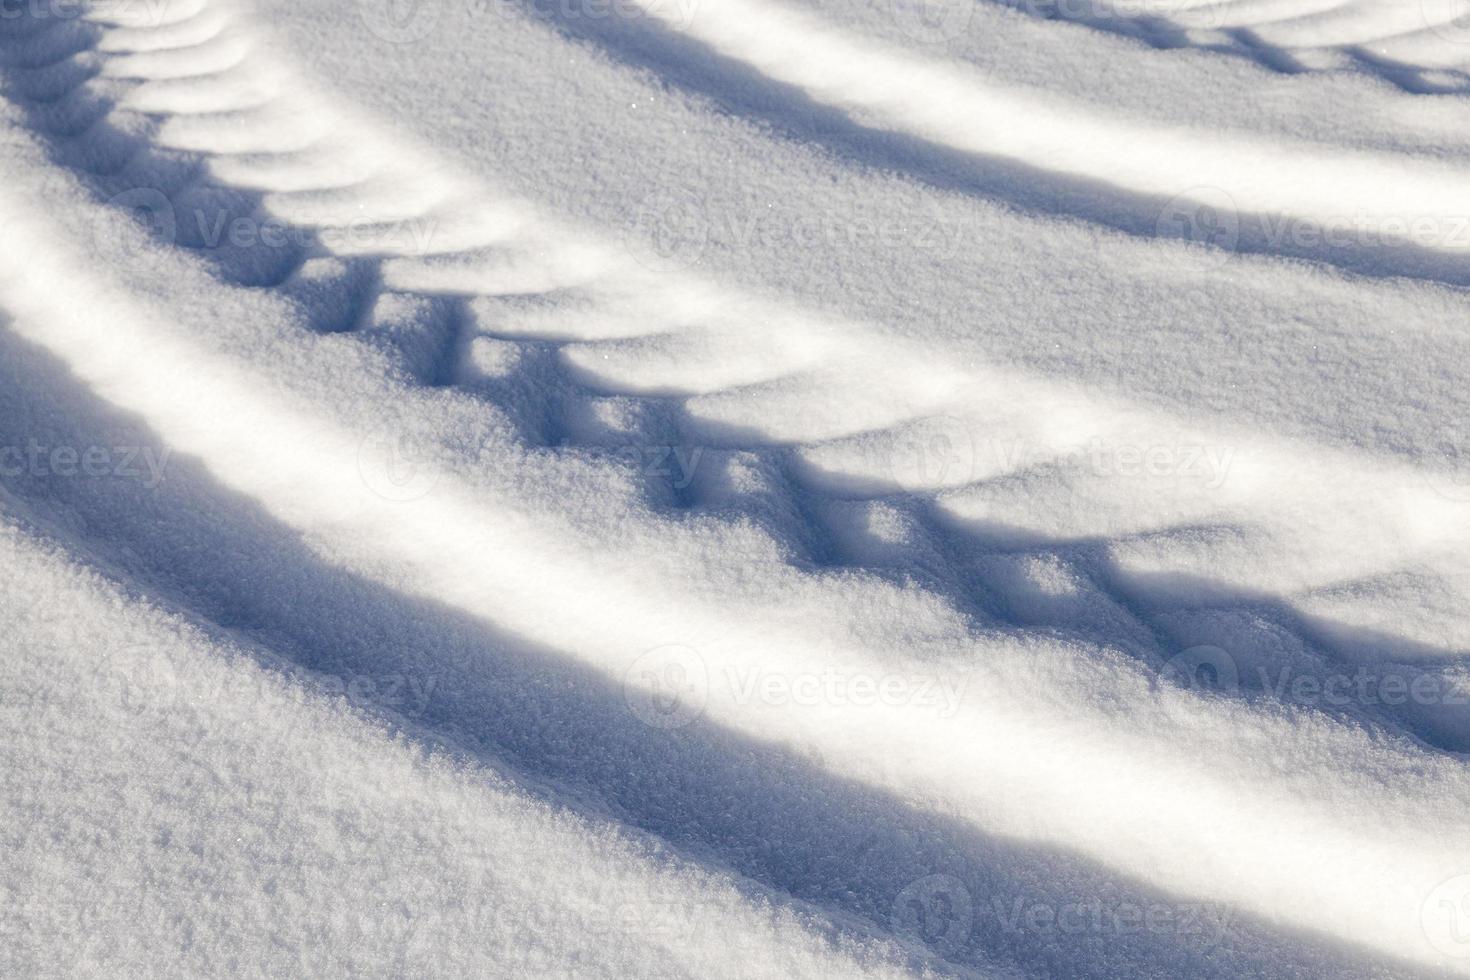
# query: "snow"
(735, 487)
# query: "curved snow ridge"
(1421, 45)
(1023, 757)
(1211, 181)
(366, 223)
(740, 385)
(279, 789)
(1027, 752)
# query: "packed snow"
(750, 488)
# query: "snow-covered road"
(753, 488)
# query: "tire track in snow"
(1370, 213)
(443, 366)
(1421, 46)
(491, 283)
(754, 807)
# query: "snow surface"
(749, 488)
